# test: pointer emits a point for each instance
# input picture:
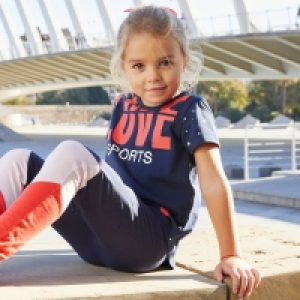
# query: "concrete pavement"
(54, 271)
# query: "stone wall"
(63, 113)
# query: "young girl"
(129, 211)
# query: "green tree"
(97, 95)
(282, 86)
(293, 103)
(277, 96)
(264, 93)
(22, 100)
(258, 111)
(77, 96)
(51, 98)
(224, 95)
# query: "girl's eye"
(137, 66)
(165, 63)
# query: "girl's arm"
(216, 192)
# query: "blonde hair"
(159, 22)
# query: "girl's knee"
(68, 146)
(72, 152)
(70, 161)
(15, 160)
(15, 156)
(13, 174)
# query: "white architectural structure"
(188, 18)
(36, 46)
(108, 19)
(59, 42)
(77, 20)
(26, 67)
(13, 38)
(243, 17)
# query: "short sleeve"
(198, 126)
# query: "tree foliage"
(226, 98)
(264, 93)
(98, 95)
(78, 96)
(262, 99)
(22, 100)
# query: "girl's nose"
(153, 75)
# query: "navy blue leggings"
(107, 225)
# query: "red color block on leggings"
(36, 208)
(2, 204)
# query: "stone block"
(267, 170)
(297, 203)
(273, 251)
(234, 171)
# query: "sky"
(214, 17)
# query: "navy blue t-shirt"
(152, 148)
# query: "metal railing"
(263, 21)
(265, 153)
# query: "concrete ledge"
(277, 190)
(55, 272)
(286, 173)
(280, 287)
(52, 272)
(275, 253)
(267, 199)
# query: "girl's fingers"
(243, 278)
(218, 274)
(235, 280)
(243, 283)
(251, 283)
(257, 277)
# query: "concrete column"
(76, 18)
(30, 29)
(107, 16)
(243, 17)
(187, 18)
(16, 48)
(58, 41)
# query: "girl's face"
(153, 67)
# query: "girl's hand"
(244, 277)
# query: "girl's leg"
(43, 200)
(18, 167)
(122, 232)
(113, 227)
(106, 224)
